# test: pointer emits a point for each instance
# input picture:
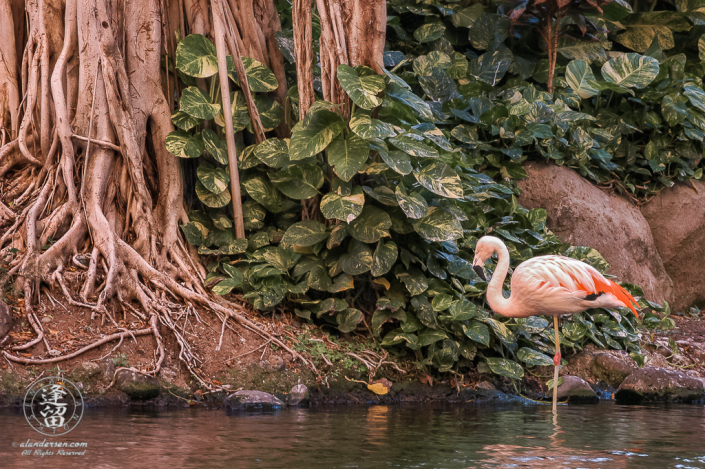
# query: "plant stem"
(227, 114)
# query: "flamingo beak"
(480, 271)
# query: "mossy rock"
(138, 386)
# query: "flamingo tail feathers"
(623, 296)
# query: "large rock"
(136, 385)
(85, 372)
(576, 390)
(581, 214)
(611, 369)
(5, 319)
(299, 395)
(677, 220)
(252, 400)
(651, 384)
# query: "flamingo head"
(486, 246)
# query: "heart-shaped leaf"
(305, 233)
(344, 208)
(413, 205)
(264, 193)
(210, 199)
(214, 179)
(259, 77)
(581, 79)
(362, 84)
(196, 102)
(347, 155)
(440, 179)
(196, 56)
(314, 133)
(273, 152)
(384, 258)
(215, 146)
(184, 121)
(631, 70)
(439, 226)
(371, 225)
(299, 182)
(505, 367)
(184, 144)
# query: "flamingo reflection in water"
(552, 456)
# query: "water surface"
(431, 436)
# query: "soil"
(248, 361)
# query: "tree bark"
(352, 33)
(303, 50)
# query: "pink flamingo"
(547, 285)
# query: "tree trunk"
(84, 159)
(352, 33)
(87, 182)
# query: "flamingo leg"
(556, 365)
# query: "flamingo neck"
(495, 298)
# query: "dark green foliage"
(425, 167)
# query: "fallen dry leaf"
(426, 379)
(380, 386)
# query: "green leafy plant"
(121, 360)
(570, 20)
(425, 165)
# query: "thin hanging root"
(30, 317)
(222, 333)
(106, 339)
(153, 321)
(58, 277)
(136, 273)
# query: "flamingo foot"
(557, 359)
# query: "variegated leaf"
(371, 225)
(305, 233)
(184, 121)
(439, 226)
(384, 258)
(273, 152)
(196, 56)
(184, 144)
(413, 147)
(581, 79)
(631, 70)
(196, 102)
(259, 77)
(214, 179)
(362, 84)
(413, 205)
(215, 146)
(209, 198)
(347, 155)
(263, 192)
(314, 133)
(298, 182)
(344, 208)
(440, 179)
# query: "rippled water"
(599, 436)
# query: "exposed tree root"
(90, 185)
(104, 340)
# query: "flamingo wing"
(573, 276)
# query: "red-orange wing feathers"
(576, 275)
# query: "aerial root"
(371, 357)
(106, 339)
